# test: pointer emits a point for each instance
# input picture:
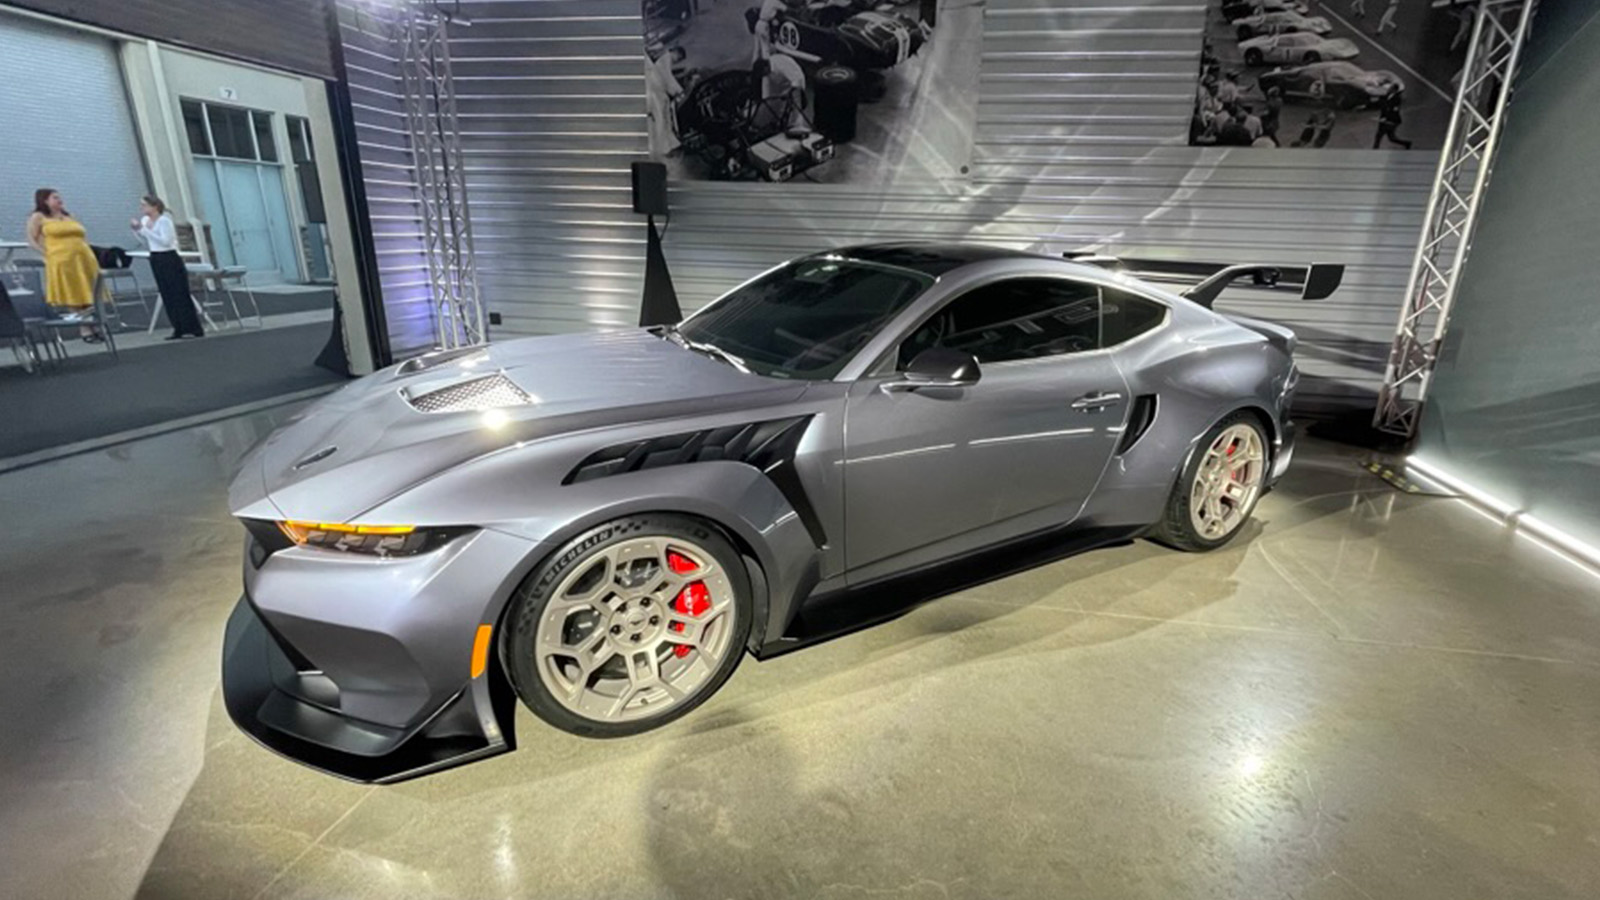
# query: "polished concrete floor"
(1371, 696)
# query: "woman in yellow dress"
(69, 265)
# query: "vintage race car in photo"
(1342, 84)
(601, 526)
(1295, 48)
(1234, 10)
(1280, 22)
(852, 34)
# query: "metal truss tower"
(430, 104)
(1498, 34)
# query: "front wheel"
(629, 626)
(1218, 488)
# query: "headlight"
(373, 540)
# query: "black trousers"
(1386, 130)
(172, 279)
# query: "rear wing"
(1206, 280)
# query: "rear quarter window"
(1125, 316)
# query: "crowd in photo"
(1225, 116)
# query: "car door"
(932, 472)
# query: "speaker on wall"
(650, 188)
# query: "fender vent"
(489, 392)
(1140, 418)
(769, 446)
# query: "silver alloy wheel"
(636, 629)
(1227, 482)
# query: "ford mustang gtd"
(602, 525)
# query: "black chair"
(14, 331)
(96, 317)
(47, 324)
(116, 265)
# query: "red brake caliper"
(692, 601)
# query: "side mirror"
(937, 367)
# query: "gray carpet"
(91, 396)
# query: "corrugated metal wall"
(1082, 123)
(74, 134)
(371, 60)
(283, 34)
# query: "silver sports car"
(602, 525)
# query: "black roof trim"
(931, 259)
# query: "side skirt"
(839, 612)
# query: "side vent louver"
(1140, 417)
(769, 446)
(489, 392)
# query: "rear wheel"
(629, 626)
(1253, 57)
(1218, 489)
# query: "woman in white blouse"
(172, 278)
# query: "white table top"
(191, 266)
(7, 250)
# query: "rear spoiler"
(1316, 281)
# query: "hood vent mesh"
(489, 392)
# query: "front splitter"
(254, 668)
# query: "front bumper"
(364, 668)
(293, 711)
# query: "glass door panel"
(248, 225)
(212, 212)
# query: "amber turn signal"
(299, 532)
(480, 650)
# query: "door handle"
(1096, 401)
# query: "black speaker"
(834, 114)
(650, 188)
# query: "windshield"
(806, 319)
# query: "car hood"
(368, 441)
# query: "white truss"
(430, 102)
(1498, 34)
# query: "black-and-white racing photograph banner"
(830, 91)
(1345, 74)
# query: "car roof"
(934, 259)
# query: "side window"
(1020, 318)
(1124, 316)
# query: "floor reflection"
(1373, 695)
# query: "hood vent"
(489, 392)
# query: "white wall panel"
(1082, 124)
